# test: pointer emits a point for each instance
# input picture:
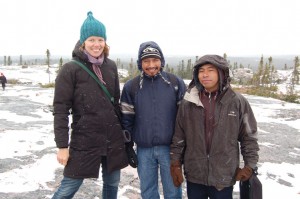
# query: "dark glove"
(243, 174)
(132, 158)
(176, 173)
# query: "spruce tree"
(48, 62)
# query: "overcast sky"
(190, 27)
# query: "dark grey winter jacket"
(95, 128)
(234, 124)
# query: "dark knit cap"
(92, 27)
(220, 63)
(150, 52)
(150, 49)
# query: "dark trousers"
(199, 191)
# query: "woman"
(95, 131)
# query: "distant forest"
(125, 61)
(260, 78)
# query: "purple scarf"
(97, 62)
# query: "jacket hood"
(78, 53)
(143, 46)
(220, 63)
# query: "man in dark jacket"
(3, 80)
(212, 122)
(96, 134)
(149, 106)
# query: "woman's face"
(94, 46)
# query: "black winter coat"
(3, 80)
(95, 128)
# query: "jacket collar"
(193, 96)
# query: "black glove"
(132, 158)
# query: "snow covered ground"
(28, 166)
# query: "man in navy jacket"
(149, 106)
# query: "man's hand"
(176, 173)
(243, 174)
(63, 156)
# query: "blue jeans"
(199, 191)
(69, 186)
(150, 160)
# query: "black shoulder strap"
(95, 78)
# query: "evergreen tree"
(118, 63)
(48, 63)
(228, 61)
(182, 69)
(172, 70)
(256, 80)
(60, 64)
(131, 71)
(166, 68)
(272, 70)
(9, 61)
(266, 76)
(21, 61)
(295, 75)
(235, 66)
(189, 69)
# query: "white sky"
(190, 27)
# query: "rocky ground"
(284, 138)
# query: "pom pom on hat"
(92, 27)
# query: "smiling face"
(151, 66)
(94, 46)
(208, 77)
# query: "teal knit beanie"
(92, 27)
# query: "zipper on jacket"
(207, 168)
(208, 137)
(209, 117)
(153, 100)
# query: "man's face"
(208, 77)
(151, 66)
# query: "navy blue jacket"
(150, 113)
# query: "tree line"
(262, 82)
